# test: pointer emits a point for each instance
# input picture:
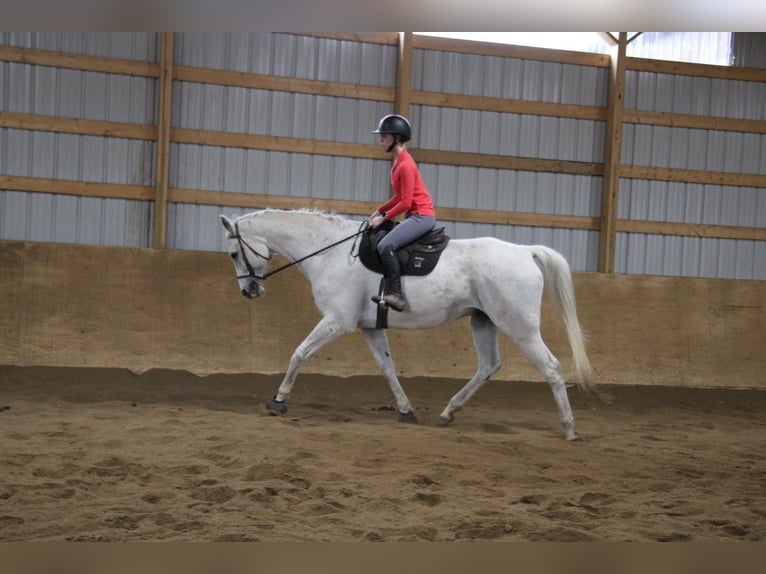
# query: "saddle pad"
(417, 258)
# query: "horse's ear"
(228, 224)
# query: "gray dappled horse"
(499, 285)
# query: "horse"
(497, 284)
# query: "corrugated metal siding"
(90, 95)
(691, 256)
(513, 135)
(289, 55)
(272, 113)
(140, 46)
(82, 95)
(492, 76)
(76, 94)
(693, 149)
(62, 218)
(339, 119)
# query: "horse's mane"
(328, 215)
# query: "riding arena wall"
(118, 153)
(140, 309)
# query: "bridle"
(242, 244)
(251, 274)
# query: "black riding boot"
(393, 296)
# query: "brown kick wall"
(82, 306)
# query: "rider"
(410, 197)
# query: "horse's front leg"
(326, 331)
(377, 341)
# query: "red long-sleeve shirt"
(410, 193)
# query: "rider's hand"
(376, 220)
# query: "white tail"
(558, 278)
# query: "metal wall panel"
(47, 217)
(507, 190)
(693, 149)
(282, 114)
(715, 97)
(42, 90)
(273, 113)
(140, 46)
(98, 96)
(514, 135)
(69, 219)
(689, 256)
(82, 95)
(492, 76)
(289, 55)
(263, 173)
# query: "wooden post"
(612, 146)
(404, 75)
(165, 89)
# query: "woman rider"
(411, 197)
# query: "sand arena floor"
(105, 455)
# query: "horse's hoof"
(444, 421)
(275, 407)
(408, 417)
(572, 437)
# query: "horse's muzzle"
(253, 290)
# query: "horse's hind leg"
(378, 343)
(485, 341)
(538, 353)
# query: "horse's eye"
(233, 255)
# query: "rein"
(251, 272)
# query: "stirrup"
(381, 304)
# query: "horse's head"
(251, 257)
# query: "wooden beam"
(78, 62)
(506, 162)
(692, 230)
(404, 75)
(693, 176)
(79, 188)
(255, 201)
(694, 121)
(282, 84)
(613, 143)
(608, 38)
(159, 236)
(425, 42)
(249, 200)
(276, 143)
(389, 38)
(77, 126)
(505, 105)
(702, 70)
(369, 151)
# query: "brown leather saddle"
(418, 258)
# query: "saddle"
(418, 258)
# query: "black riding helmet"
(396, 125)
